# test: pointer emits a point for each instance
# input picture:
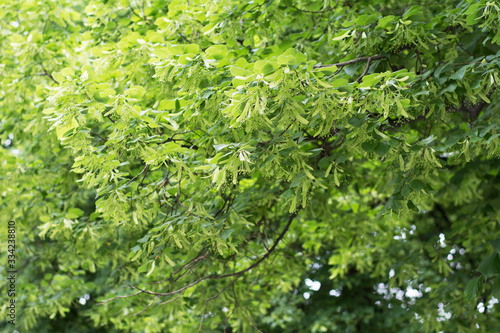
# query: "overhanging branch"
(213, 277)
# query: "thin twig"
(286, 129)
(350, 62)
(245, 311)
(366, 69)
(171, 300)
(147, 306)
(116, 297)
(460, 46)
(213, 297)
(45, 73)
(102, 139)
(146, 168)
(144, 18)
(420, 62)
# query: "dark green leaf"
(369, 146)
(473, 288)
(490, 265)
(382, 148)
(417, 184)
(495, 292)
(496, 244)
(412, 206)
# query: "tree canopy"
(244, 166)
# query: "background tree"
(274, 166)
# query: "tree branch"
(366, 69)
(146, 168)
(214, 277)
(286, 129)
(45, 73)
(116, 297)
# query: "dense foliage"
(234, 166)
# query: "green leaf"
(135, 92)
(133, 256)
(412, 206)
(341, 35)
(417, 184)
(298, 56)
(74, 213)
(495, 292)
(218, 52)
(471, 19)
(160, 53)
(382, 148)
(104, 95)
(226, 233)
(384, 21)
(143, 239)
(330, 70)
(153, 263)
(473, 288)
(442, 69)
(449, 88)
(496, 244)
(414, 10)
(490, 265)
(287, 194)
(296, 182)
(286, 60)
(268, 69)
(58, 77)
(371, 80)
(355, 121)
(363, 20)
(393, 204)
(192, 48)
(221, 146)
(168, 260)
(324, 162)
(338, 83)
(67, 71)
(301, 119)
(369, 146)
(237, 71)
(405, 191)
(459, 75)
(135, 248)
(143, 267)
